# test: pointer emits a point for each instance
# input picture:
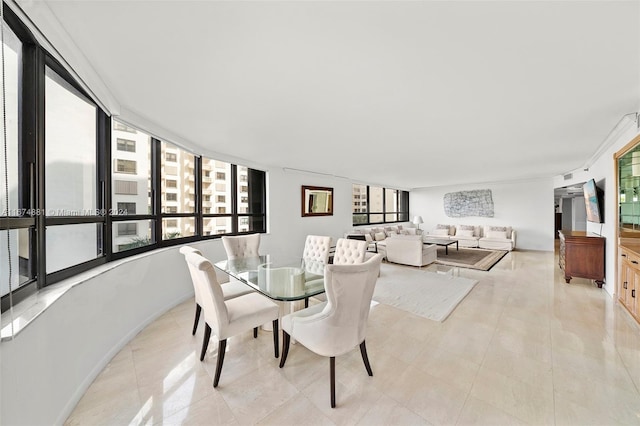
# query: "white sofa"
(487, 237)
(408, 250)
(376, 236)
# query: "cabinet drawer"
(631, 258)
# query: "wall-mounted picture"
(317, 201)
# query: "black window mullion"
(32, 128)
(104, 167)
(199, 223)
(156, 189)
(234, 199)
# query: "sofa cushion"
(450, 229)
(497, 235)
(379, 236)
(440, 232)
(464, 233)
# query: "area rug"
(472, 258)
(427, 294)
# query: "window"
(71, 175)
(126, 145)
(126, 166)
(126, 187)
(18, 232)
(126, 208)
(102, 199)
(127, 229)
(373, 204)
(123, 127)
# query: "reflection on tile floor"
(522, 348)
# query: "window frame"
(402, 201)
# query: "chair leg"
(332, 374)
(285, 347)
(205, 341)
(222, 346)
(306, 302)
(255, 332)
(276, 348)
(365, 358)
(195, 321)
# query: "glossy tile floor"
(522, 348)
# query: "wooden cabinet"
(582, 256)
(629, 282)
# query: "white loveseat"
(409, 250)
(487, 237)
(498, 238)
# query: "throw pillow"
(441, 226)
(466, 227)
(464, 233)
(506, 229)
(379, 236)
(498, 235)
(368, 238)
(440, 232)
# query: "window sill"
(24, 313)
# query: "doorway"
(570, 209)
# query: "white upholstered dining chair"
(241, 246)
(315, 256)
(349, 251)
(334, 328)
(230, 317)
(232, 288)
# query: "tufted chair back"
(241, 246)
(317, 248)
(349, 251)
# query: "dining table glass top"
(277, 278)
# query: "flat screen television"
(593, 200)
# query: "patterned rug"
(427, 294)
(472, 258)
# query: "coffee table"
(441, 242)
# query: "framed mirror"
(317, 201)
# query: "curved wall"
(48, 366)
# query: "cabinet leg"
(599, 283)
(567, 279)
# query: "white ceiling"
(405, 94)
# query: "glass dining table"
(280, 279)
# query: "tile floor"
(522, 348)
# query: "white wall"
(579, 214)
(602, 170)
(527, 206)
